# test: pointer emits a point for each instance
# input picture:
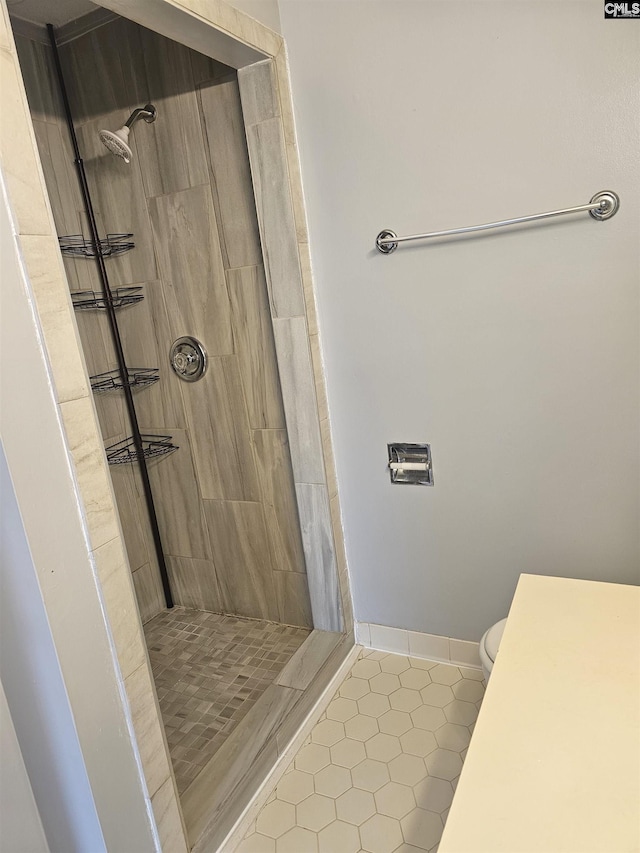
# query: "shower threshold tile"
(210, 670)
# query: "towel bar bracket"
(608, 204)
(386, 248)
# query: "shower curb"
(340, 661)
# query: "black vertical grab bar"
(113, 326)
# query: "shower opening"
(161, 244)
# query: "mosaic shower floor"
(209, 671)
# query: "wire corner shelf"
(124, 452)
(112, 380)
(79, 246)
(89, 300)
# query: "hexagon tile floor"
(379, 770)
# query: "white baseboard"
(418, 645)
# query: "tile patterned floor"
(209, 670)
(380, 768)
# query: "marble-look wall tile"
(205, 68)
(38, 73)
(79, 421)
(336, 665)
(147, 723)
(259, 89)
(158, 71)
(146, 341)
(213, 822)
(298, 392)
(5, 29)
(144, 524)
(195, 289)
(120, 603)
(241, 556)
(80, 276)
(347, 609)
(341, 562)
(309, 659)
(307, 285)
(93, 75)
(254, 33)
(99, 353)
(132, 514)
(255, 348)
(247, 757)
(318, 376)
(275, 217)
(64, 195)
(149, 593)
(220, 434)
(60, 179)
(294, 604)
(117, 195)
(336, 523)
(177, 500)
(46, 275)
(329, 461)
(279, 499)
(291, 147)
(237, 761)
(194, 584)
(230, 173)
(317, 537)
(113, 416)
(18, 160)
(168, 819)
(97, 344)
(62, 183)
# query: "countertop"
(554, 761)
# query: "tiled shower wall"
(225, 499)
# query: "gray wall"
(514, 354)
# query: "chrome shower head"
(118, 141)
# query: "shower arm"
(148, 113)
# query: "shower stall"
(144, 149)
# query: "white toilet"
(489, 645)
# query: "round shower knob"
(188, 358)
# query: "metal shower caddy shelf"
(111, 380)
(87, 300)
(124, 452)
(78, 246)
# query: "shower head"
(118, 141)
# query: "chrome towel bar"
(602, 206)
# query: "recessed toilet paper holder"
(410, 464)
